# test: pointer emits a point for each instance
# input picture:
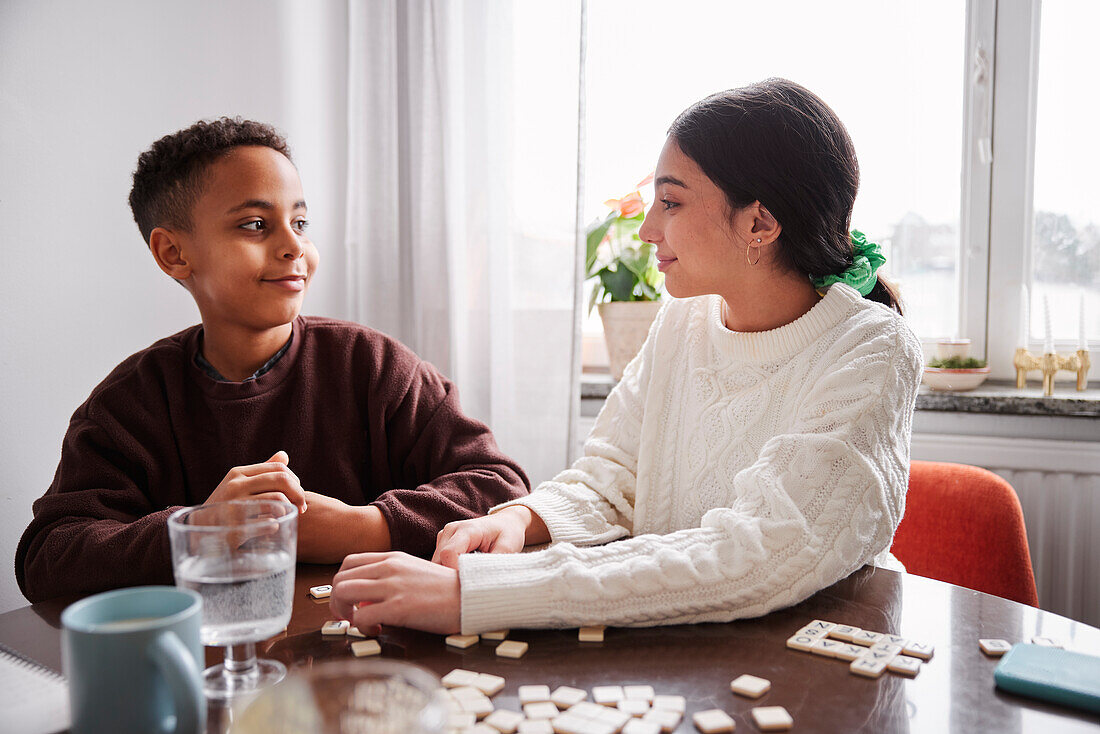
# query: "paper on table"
(34, 699)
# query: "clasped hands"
(328, 529)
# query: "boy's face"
(249, 258)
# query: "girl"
(756, 449)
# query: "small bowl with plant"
(955, 373)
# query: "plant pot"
(625, 326)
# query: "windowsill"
(993, 397)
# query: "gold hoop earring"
(748, 253)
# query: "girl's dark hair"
(778, 143)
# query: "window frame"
(997, 211)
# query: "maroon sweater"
(363, 419)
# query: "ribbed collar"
(251, 388)
(787, 340)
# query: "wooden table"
(954, 692)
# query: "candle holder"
(1049, 363)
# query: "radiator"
(1058, 483)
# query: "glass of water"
(239, 556)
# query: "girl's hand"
(501, 532)
(397, 589)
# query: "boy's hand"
(272, 480)
(397, 589)
(334, 529)
(505, 531)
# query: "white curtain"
(461, 202)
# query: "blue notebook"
(1052, 674)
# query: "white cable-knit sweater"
(747, 470)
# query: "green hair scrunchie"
(862, 275)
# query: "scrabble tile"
(994, 648)
(819, 624)
(614, 717)
(607, 695)
(894, 640)
(569, 724)
(587, 710)
(814, 632)
(867, 638)
(868, 668)
(904, 665)
(490, 685)
(512, 649)
(321, 592)
(886, 647)
(533, 694)
(535, 726)
(712, 721)
(826, 647)
(354, 632)
(772, 718)
(591, 634)
(644, 693)
(462, 641)
(801, 642)
(504, 721)
(667, 720)
(1046, 642)
(540, 710)
(916, 649)
(460, 720)
(849, 652)
(462, 692)
(633, 706)
(565, 696)
(362, 648)
(498, 635)
(877, 655)
(638, 726)
(479, 707)
(670, 703)
(843, 632)
(481, 728)
(459, 677)
(750, 686)
(336, 627)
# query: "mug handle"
(178, 666)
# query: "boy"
(367, 440)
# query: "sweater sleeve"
(447, 464)
(822, 499)
(592, 502)
(94, 529)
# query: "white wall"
(84, 88)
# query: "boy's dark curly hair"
(170, 175)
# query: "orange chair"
(964, 525)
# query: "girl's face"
(700, 243)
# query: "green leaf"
(594, 296)
(619, 283)
(596, 232)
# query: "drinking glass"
(349, 697)
(239, 556)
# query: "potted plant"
(627, 283)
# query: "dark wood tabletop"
(954, 691)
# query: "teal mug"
(134, 662)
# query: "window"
(1065, 260)
(971, 200)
